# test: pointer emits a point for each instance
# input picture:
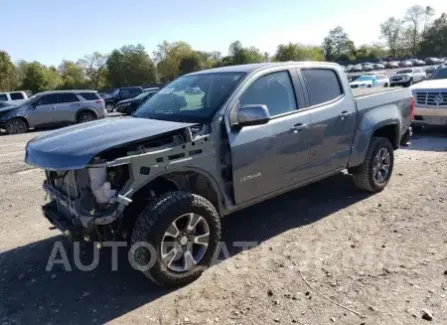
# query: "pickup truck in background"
(14, 97)
(164, 178)
(120, 94)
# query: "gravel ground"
(381, 256)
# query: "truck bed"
(369, 97)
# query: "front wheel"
(375, 172)
(410, 83)
(386, 85)
(110, 107)
(175, 238)
(16, 126)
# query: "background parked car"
(357, 68)
(121, 94)
(370, 81)
(129, 106)
(368, 66)
(16, 97)
(53, 108)
(429, 71)
(406, 63)
(378, 66)
(408, 77)
(392, 65)
(433, 61)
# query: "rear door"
(272, 156)
(333, 120)
(67, 107)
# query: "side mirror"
(252, 115)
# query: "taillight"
(412, 108)
(100, 101)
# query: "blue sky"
(52, 30)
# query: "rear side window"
(125, 93)
(3, 97)
(89, 96)
(67, 98)
(322, 85)
(274, 90)
(16, 96)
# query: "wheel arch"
(86, 110)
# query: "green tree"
(390, 30)
(190, 63)
(337, 46)
(243, 55)
(415, 16)
(298, 52)
(169, 57)
(130, 66)
(8, 74)
(95, 66)
(434, 43)
(38, 77)
(72, 76)
(371, 52)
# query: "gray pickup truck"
(166, 176)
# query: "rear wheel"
(386, 85)
(175, 238)
(409, 83)
(16, 126)
(86, 117)
(375, 172)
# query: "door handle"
(298, 127)
(53, 108)
(344, 114)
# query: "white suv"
(407, 77)
(431, 100)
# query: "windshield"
(441, 73)
(143, 95)
(193, 98)
(404, 71)
(366, 78)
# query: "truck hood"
(75, 146)
(431, 84)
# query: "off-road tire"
(363, 175)
(16, 126)
(151, 225)
(86, 117)
(110, 107)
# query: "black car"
(121, 94)
(129, 106)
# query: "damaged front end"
(90, 202)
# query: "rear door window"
(89, 96)
(323, 85)
(135, 91)
(67, 98)
(16, 96)
(3, 97)
(125, 93)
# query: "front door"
(275, 155)
(333, 121)
(42, 112)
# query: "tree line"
(416, 33)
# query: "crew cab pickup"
(120, 94)
(163, 178)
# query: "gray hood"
(75, 146)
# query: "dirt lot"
(383, 256)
